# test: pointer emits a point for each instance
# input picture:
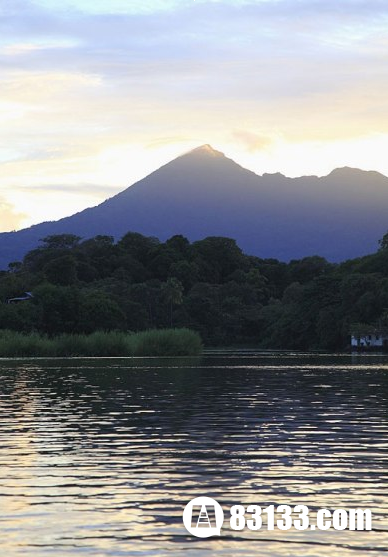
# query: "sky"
(96, 94)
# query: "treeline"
(209, 286)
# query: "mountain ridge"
(204, 193)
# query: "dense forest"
(209, 286)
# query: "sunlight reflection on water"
(99, 456)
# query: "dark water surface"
(98, 457)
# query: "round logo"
(203, 517)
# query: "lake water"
(98, 457)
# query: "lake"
(100, 456)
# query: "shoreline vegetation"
(70, 286)
(163, 342)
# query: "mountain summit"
(206, 150)
(204, 193)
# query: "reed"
(163, 342)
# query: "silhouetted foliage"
(210, 286)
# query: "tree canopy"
(209, 285)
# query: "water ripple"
(99, 456)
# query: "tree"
(304, 270)
(97, 311)
(186, 272)
(148, 294)
(15, 266)
(160, 265)
(53, 246)
(99, 254)
(138, 246)
(383, 243)
(203, 306)
(329, 329)
(180, 244)
(23, 317)
(60, 241)
(209, 286)
(61, 270)
(58, 308)
(173, 294)
(222, 255)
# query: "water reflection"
(99, 456)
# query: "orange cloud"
(9, 218)
(252, 141)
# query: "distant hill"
(203, 193)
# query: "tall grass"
(165, 342)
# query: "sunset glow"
(96, 94)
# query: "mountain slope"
(203, 193)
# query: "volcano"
(204, 193)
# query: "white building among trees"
(369, 337)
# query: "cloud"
(163, 141)
(252, 141)
(82, 189)
(10, 219)
(114, 6)
(199, 50)
(95, 92)
(17, 49)
(95, 67)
